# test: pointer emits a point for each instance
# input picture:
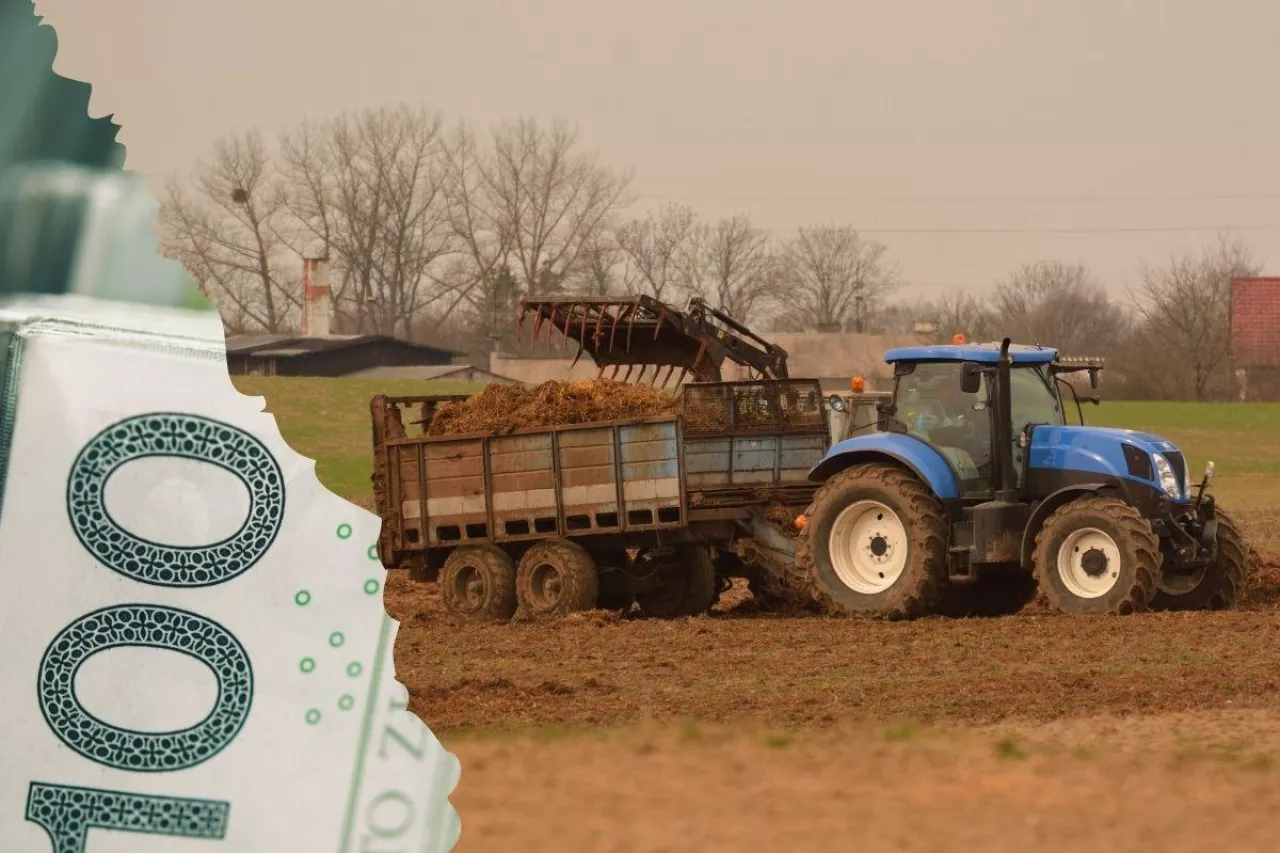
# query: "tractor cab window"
(934, 408)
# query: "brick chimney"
(315, 297)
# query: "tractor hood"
(1123, 453)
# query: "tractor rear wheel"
(1219, 585)
(557, 577)
(689, 591)
(1097, 554)
(875, 544)
(479, 582)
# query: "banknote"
(195, 651)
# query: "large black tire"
(1222, 582)
(1135, 573)
(691, 591)
(920, 584)
(556, 577)
(479, 582)
(616, 601)
(996, 593)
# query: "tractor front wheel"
(1217, 586)
(875, 544)
(1097, 555)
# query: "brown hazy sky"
(907, 119)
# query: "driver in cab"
(945, 416)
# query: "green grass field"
(328, 420)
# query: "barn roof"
(292, 346)
(1255, 321)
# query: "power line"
(1119, 230)
(967, 199)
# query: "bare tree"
(736, 269)
(601, 259)
(549, 198)
(484, 234)
(661, 252)
(225, 231)
(369, 189)
(1184, 310)
(833, 276)
(957, 311)
(1059, 305)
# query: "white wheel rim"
(868, 547)
(1089, 563)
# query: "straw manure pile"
(503, 408)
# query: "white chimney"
(315, 297)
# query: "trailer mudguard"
(926, 462)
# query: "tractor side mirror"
(970, 378)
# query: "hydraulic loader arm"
(641, 332)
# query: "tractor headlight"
(1168, 480)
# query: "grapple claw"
(697, 340)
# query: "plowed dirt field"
(747, 731)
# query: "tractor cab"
(945, 396)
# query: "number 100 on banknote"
(196, 654)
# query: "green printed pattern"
(154, 627)
(68, 813)
(185, 437)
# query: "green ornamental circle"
(344, 531)
(176, 436)
(336, 639)
(303, 598)
(373, 552)
(149, 626)
(371, 586)
(347, 702)
(354, 669)
(307, 665)
(313, 717)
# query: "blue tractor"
(975, 492)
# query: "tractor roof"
(982, 353)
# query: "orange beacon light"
(857, 385)
(958, 339)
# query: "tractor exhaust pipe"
(1007, 479)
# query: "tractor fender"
(924, 461)
(1046, 507)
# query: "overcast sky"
(957, 133)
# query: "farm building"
(328, 355)
(1255, 337)
(436, 373)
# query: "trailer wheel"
(1217, 586)
(875, 544)
(1097, 555)
(479, 582)
(557, 577)
(689, 592)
